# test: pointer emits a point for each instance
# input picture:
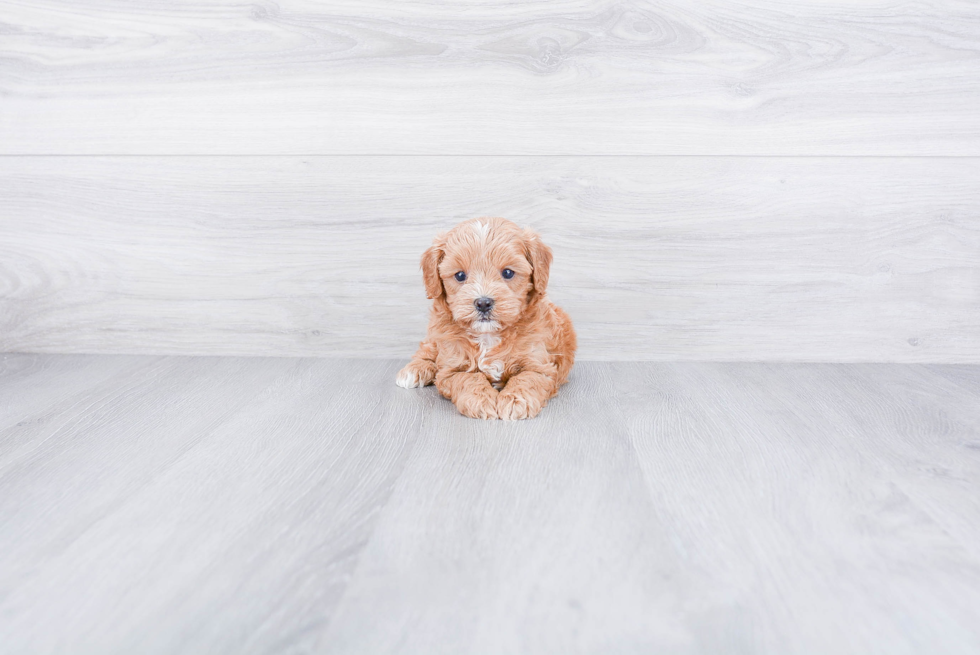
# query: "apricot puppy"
(496, 346)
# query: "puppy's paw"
(480, 404)
(514, 406)
(414, 376)
(408, 378)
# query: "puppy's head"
(488, 269)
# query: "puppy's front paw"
(413, 376)
(513, 406)
(480, 404)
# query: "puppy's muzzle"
(483, 305)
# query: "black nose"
(484, 304)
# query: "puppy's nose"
(484, 304)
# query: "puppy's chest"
(491, 361)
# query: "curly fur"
(506, 363)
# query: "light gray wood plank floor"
(235, 505)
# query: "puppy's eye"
(461, 276)
(507, 273)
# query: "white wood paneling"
(262, 505)
(732, 258)
(511, 77)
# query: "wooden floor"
(237, 505)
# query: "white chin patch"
(485, 326)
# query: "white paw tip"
(407, 380)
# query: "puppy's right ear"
(430, 270)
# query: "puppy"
(496, 346)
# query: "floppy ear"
(540, 257)
(430, 270)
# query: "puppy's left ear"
(540, 257)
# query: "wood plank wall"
(752, 181)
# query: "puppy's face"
(488, 269)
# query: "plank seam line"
(472, 156)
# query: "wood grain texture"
(794, 259)
(874, 77)
(180, 505)
(193, 505)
